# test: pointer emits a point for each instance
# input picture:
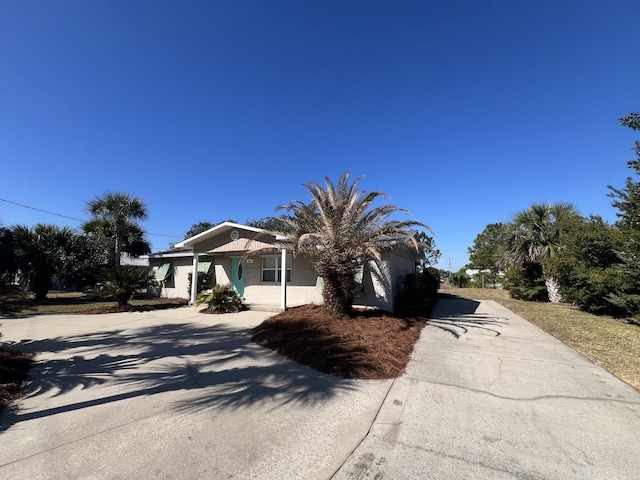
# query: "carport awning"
(163, 272)
(204, 267)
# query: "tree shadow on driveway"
(459, 316)
(219, 364)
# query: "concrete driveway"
(180, 395)
(488, 395)
(174, 394)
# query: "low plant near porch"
(220, 299)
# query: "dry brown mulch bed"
(14, 368)
(160, 304)
(369, 345)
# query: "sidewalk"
(488, 395)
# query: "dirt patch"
(14, 369)
(369, 345)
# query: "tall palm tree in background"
(537, 237)
(337, 230)
(120, 212)
(40, 252)
(7, 256)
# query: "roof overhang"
(217, 230)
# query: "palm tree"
(119, 211)
(124, 281)
(40, 252)
(537, 237)
(7, 256)
(338, 229)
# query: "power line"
(72, 218)
(41, 210)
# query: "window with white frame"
(272, 268)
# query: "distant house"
(223, 253)
(484, 278)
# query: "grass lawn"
(611, 343)
(76, 302)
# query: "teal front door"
(238, 270)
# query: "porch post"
(283, 281)
(194, 279)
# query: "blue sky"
(463, 111)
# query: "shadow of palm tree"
(458, 316)
(217, 367)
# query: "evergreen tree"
(627, 201)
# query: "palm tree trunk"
(553, 289)
(336, 296)
(119, 230)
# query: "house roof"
(217, 230)
(185, 248)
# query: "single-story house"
(227, 252)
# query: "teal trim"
(238, 273)
(204, 267)
(163, 272)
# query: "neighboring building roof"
(173, 253)
(141, 261)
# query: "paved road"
(180, 395)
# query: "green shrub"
(626, 295)
(420, 293)
(526, 283)
(220, 298)
(460, 279)
(124, 281)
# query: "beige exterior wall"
(376, 282)
(382, 281)
(402, 262)
(301, 290)
(222, 269)
(224, 243)
(177, 285)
